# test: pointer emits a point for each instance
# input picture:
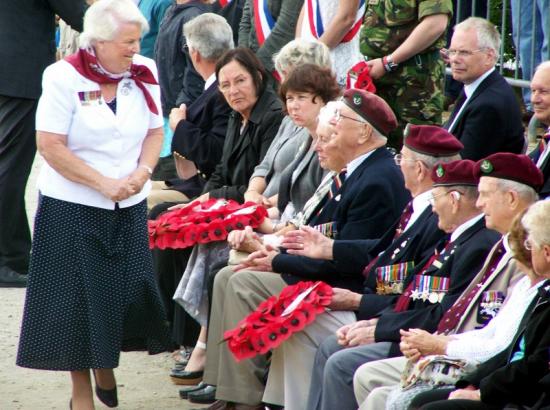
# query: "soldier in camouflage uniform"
(401, 39)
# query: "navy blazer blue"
(416, 244)
(490, 121)
(460, 263)
(369, 201)
(545, 169)
(200, 137)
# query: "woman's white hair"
(301, 51)
(537, 223)
(104, 18)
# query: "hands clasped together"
(120, 189)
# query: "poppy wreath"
(267, 327)
(202, 222)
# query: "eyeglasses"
(463, 53)
(338, 117)
(433, 197)
(399, 158)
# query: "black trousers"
(438, 400)
(17, 151)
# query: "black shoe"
(185, 378)
(203, 396)
(184, 391)
(11, 279)
(107, 397)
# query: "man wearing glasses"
(486, 117)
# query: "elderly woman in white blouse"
(91, 290)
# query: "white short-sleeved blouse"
(111, 144)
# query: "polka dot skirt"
(91, 291)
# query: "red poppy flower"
(216, 231)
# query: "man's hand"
(424, 342)
(354, 331)
(409, 352)
(376, 68)
(343, 299)
(259, 260)
(177, 115)
(469, 393)
(308, 242)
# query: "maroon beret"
(431, 140)
(459, 172)
(515, 167)
(371, 108)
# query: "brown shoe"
(217, 405)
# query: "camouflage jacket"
(388, 23)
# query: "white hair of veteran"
(210, 35)
(103, 19)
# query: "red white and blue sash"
(315, 21)
(263, 21)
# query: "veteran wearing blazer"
(486, 117)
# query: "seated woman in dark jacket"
(253, 123)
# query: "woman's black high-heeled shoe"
(107, 397)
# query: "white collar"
(209, 81)
(421, 201)
(462, 228)
(354, 163)
(469, 89)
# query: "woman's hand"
(245, 240)
(255, 196)
(116, 189)
(137, 179)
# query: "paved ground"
(143, 381)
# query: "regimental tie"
(404, 220)
(543, 143)
(451, 317)
(337, 182)
(458, 105)
(402, 303)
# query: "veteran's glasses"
(462, 53)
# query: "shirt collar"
(209, 81)
(469, 89)
(354, 163)
(462, 228)
(421, 201)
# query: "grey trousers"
(333, 370)
(292, 362)
(373, 382)
(235, 295)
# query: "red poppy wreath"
(277, 318)
(202, 222)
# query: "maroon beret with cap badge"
(514, 167)
(459, 172)
(431, 140)
(371, 108)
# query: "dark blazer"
(200, 137)
(460, 263)
(242, 152)
(416, 244)
(368, 202)
(501, 382)
(545, 169)
(27, 27)
(490, 121)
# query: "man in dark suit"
(486, 117)
(371, 197)
(24, 25)
(540, 100)
(427, 292)
(199, 130)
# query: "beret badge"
(357, 99)
(439, 171)
(486, 166)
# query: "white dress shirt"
(482, 344)
(111, 144)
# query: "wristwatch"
(389, 65)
